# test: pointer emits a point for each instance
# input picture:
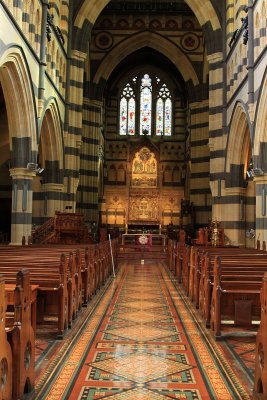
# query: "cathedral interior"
(141, 116)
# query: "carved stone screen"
(144, 206)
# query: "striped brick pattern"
(21, 217)
(89, 166)
(200, 161)
(261, 221)
(73, 127)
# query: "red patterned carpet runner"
(142, 342)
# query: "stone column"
(73, 127)
(261, 210)
(233, 215)
(52, 198)
(89, 171)
(21, 214)
(217, 141)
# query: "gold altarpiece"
(143, 191)
(143, 200)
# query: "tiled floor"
(142, 342)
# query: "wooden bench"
(51, 276)
(226, 292)
(260, 380)
(198, 260)
(96, 264)
(5, 348)
(46, 257)
(21, 337)
(234, 265)
(63, 293)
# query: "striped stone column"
(21, 214)
(73, 128)
(200, 161)
(233, 214)
(217, 141)
(52, 201)
(261, 211)
(89, 168)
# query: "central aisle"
(142, 342)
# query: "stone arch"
(48, 186)
(121, 174)
(238, 148)
(90, 10)
(167, 175)
(112, 173)
(205, 14)
(21, 108)
(154, 41)
(51, 140)
(240, 210)
(21, 113)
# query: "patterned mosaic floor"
(142, 342)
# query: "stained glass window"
(164, 112)
(127, 111)
(145, 105)
(153, 117)
(160, 117)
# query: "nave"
(141, 339)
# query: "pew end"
(5, 349)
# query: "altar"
(143, 239)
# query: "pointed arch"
(238, 150)
(19, 95)
(51, 133)
(154, 41)
(205, 13)
(20, 102)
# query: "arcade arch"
(18, 141)
(240, 216)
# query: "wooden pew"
(9, 289)
(234, 264)
(237, 287)
(260, 380)
(81, 269)
(52, 279)
(85, 272)
(198, 259)
(95, 266)
(22, 338)
(46, 257)
(5, 349)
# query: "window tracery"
(146, 103)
